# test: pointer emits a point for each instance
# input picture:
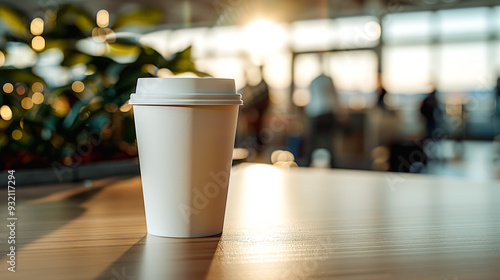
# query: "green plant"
(84, 117)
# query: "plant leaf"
(144, 16)
(15, 21)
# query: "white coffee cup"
(185, 131)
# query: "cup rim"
(185, 91)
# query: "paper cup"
(185, 131)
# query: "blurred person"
(496, 123)
(429, 108)
(321, 111)
(379, 132)
(497, 108)
(255, 104)
(381, 92)
(381, 95)
(497, 90)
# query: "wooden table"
(280, 224)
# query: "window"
(407, 69)
(407, 28)
(469, 23)
(464, 67)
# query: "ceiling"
(185, 13)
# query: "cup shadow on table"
(41, 218)
(155, 257)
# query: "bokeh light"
(84, 116)
(111, 107)
(102, 18)
(372, 30)
(67, 161)
(27, 103)
(380, 152)
(6, 112)
(78, 86)
(8, 88)
(2, 58)
(37, 87)
(36, 26)
(240, 153)
(261, 38)
(61, 106)
(301, 97)
(99, 34)
(90, 70)
(38, 43)
(125, 107)
(110, 35)
(149, 68)
(380, 158)
(17, 134)
(20, 89)
(37, 98)
(164, 72)
(283, 158)
(286, 164)
(55, 139)
(321, 158)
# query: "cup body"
(185, 156)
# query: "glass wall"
(408, 54)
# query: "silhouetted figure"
(381, 93)
(321, 113)
(429, 109)
(497, 97)
(256, 101)
(497, 111)
(497, 88)
(380, 102)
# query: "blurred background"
(385, 85)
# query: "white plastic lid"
(185, 91)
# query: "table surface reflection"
(280, 224)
